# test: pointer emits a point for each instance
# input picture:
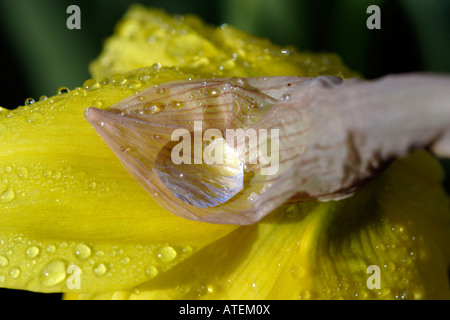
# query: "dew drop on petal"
(32, 252)
(14, 273)
(151, 271)
(82, 251)
(91, 84)
(50, 249)
(100, 270)
(118, 79)
(166, 254)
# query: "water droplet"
(176, 104)
(43, 98)
(82, 251)
(91, 84)
(100, 270)
(3, 261)
(63, 90)
(224, 176)
(134, 84)
(166, 254)
(156, 66)
(125, 260)
(29, 101)
(161, 91)
(100, 123)
(50, 249)
(7, 195)
(14, 273)
(118, 79)
(32, 252)
(53, 273)
(253, 197)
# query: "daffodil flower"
(73, 219)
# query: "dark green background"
(39, 54)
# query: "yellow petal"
(145, 37)
(65, 199)
(399, 224)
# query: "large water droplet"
(82, 251)
(97, 104)
(152, 108)
(118, 79)
(53, 273)
(22, 172)
(91, 84)
(211, 175)
(50, 249)
(29, 101)
(253, 197)
(63, 90)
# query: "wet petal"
(65, 199)
(398, 223)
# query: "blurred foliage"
(40, 54)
